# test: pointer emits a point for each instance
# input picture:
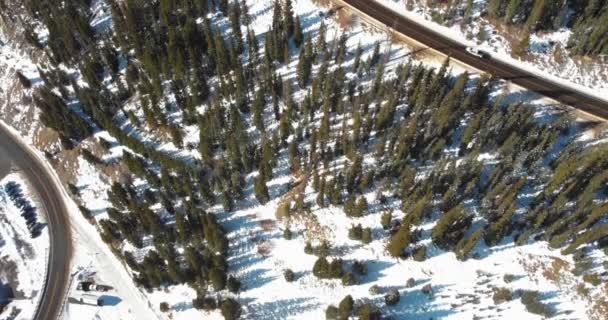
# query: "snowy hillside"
(546, 50)
(213, 180)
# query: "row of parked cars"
(28, 212)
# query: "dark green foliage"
(374, 290)
(345, 308)
(386, 219)
(233, 284)
(164, 307)
(204, 303)
(407, 120)
(287, 234)
(451, 227)
(331, 313)
(321, 268)
(419, 253)
(289, 275)
(399, 241)
(531, 299)
(326, 270)
(231, 309)
(392, 297)
(217, 278)
(57, 115)
(502, 295)
(308, 248)
(369, 312)
(349, 279)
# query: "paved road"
(457, 51)
(60, 252)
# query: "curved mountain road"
(497, 68)
(58, 270)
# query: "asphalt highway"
(497, 68)
(60, 252)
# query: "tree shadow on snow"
(278, 309)
(256, 278)
(110, 300)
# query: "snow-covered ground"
(23, 259)
(259, 254)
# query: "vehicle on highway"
(479, 52)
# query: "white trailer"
(91, 299)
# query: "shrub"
(321, 268)
(451, 227)
(349, 279)
(386, 219)
(366, 235)
(374, 290)
(335, 268)
(399, 241)
(197, 303)
(508, 278)
(287, 234)
(234, 285)
(217, 278)
(331, 313)
(164, 307)
(427, 289)
(204, 303)
(369, 312)
(532, 302)
(289, 275)
(392, 297)
(502, 295)
(308, 248)
(410, 283)
(592, 278)
(321, 250)
(355, 232)
(419, 253)
(231, 309)
(345, 308)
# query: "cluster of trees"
(327, 270)
(359, 233)
(407, 122)
(347, 308)
(588, 19)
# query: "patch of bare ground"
(65, 164)
(46, 138)
(557, 271)
(313, 230)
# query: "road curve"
(497, 68)
(60, 252)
